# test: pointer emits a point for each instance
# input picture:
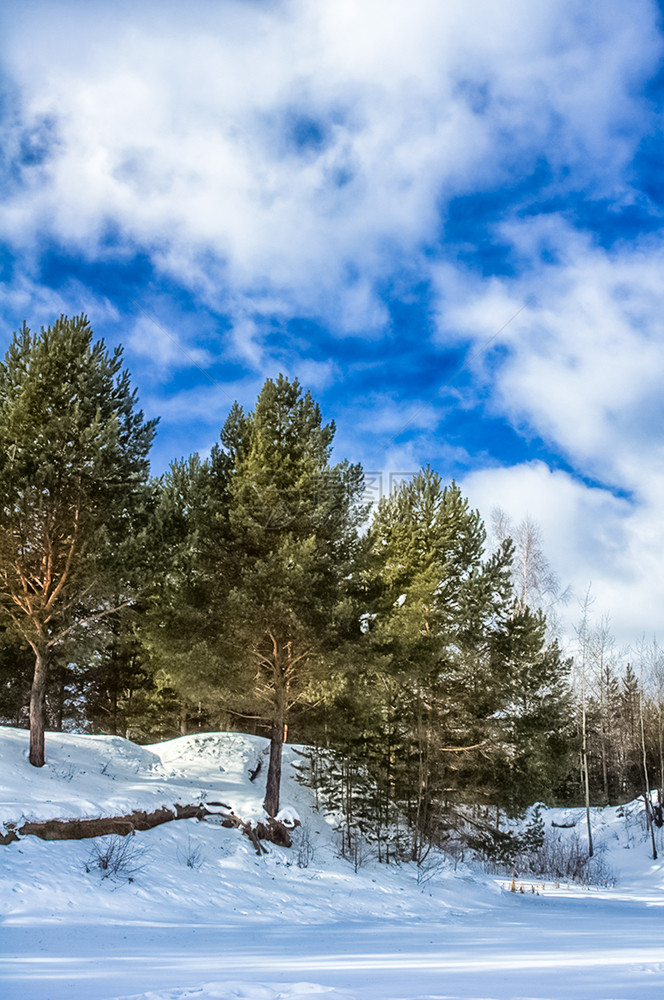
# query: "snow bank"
(86, 777)
(247, 991)
(202, 916)
(191, 870)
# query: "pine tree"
(438, 609)
(284, 533)
(604, 707)
(185, 614)
(356, 763)
(534, 751)
(652, 664)
(630, 702)
(16, 669)
(73, 490)
(111, 677)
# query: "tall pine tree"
(291, 534)
(265, 534)
(438, 610)
(73, 490)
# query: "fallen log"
(82, 829)
(123, 826)
(273, 831)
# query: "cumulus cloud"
(291, 160)
(581, 367)
(307, 148)
(39, 305)
(583, 364)
(149, 338)
(592, 539)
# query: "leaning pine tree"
(73, 491)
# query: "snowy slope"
(89, 776)
(204, 917)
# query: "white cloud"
(150, 339)
(312, 374)
(294, 159)
(591, 538)
(39, 305)
(245, 341)
(180, 130)
(581, 367)
(387, 417)
(584, 361)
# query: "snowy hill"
(192, 903)
(92, 776)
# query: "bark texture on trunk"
(273, 783)
(38, 708)
(281, 663)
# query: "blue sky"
(371, 197)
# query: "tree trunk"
(586, 781)
(584, 730)
(587, 801)
(37, 708)
(646, 794)
(605, 767)
(114, 710)
(62, 690)
(273, 783)
(282, 662)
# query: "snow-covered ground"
(204, 918)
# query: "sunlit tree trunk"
(38, 706)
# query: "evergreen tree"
(112, 677)
(604, 709)
(534, 747)
(652, 663)
(73, 490)
(439, 608)
(292, 522)
(630, 735)
(268, 530)
(17, 664)
(181, 630)
(356, 762)
(458, 695)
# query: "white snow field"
(205, 918)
